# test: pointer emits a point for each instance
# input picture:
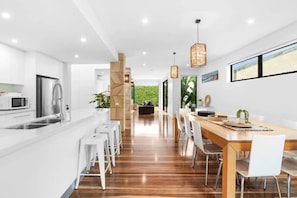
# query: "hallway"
(151, 165)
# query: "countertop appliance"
(12, 101)
(49, 96)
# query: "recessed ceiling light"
(83, 39)
(14, 40)
(5, 15)
(250, 21)
(144, 52)
(143, 65)
(145, 20)
(76, 56)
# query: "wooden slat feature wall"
(117, 90)
(128, 95)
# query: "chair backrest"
(198, 141)
(290, 124)
(187, 126)
(266, 155)
(257, 117)
(179, 123)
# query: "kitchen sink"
(27, 126)
(35, 124)
(48, 121)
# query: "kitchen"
(273, 97)
(41, 149)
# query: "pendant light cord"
(197, 21)
(174, 58)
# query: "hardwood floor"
(151, 164)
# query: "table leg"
(175, 129)
(229, 172)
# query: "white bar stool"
(110, 131)
(97, 143)
(118, 134)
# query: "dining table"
(236, 139)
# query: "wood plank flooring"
(152, 164)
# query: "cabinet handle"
(20, 116)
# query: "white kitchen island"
(42, 162)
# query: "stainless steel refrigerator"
(48, 97)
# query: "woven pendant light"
(198, 51)
(174, 69)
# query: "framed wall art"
(210, 76)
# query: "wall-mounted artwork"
(210, 76)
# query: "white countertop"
(7, 112)
(14, 139)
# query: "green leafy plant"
(246, 114)
(102, 99)
(188, 91)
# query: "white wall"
(173, 95)
(103, 80)
(50, 67)
(83, 84)
(273, 97)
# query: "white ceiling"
(54, 27)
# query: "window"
(246, 69)
(280, 61)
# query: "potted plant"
(102, 100)
(199, 102)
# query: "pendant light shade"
(174, 69)
(198, 51)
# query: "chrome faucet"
(55, 98)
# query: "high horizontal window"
(280, 61)
(245, 69)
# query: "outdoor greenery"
(145, 93)
(188, 91)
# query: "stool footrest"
(93, 174)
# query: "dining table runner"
(252, 128)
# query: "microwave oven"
(8, 102)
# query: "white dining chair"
(265, 159)
(207, 148)
(289, 166)
(188, 131)
(181, 129)
(293, 125)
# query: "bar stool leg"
(111, 139)
(112, 148)
(80, 156)
(108, 157)
(100, 152)
(118, 140)
(88, 156)
(117, 132)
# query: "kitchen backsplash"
(10, 88)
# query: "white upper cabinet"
(11, 65)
